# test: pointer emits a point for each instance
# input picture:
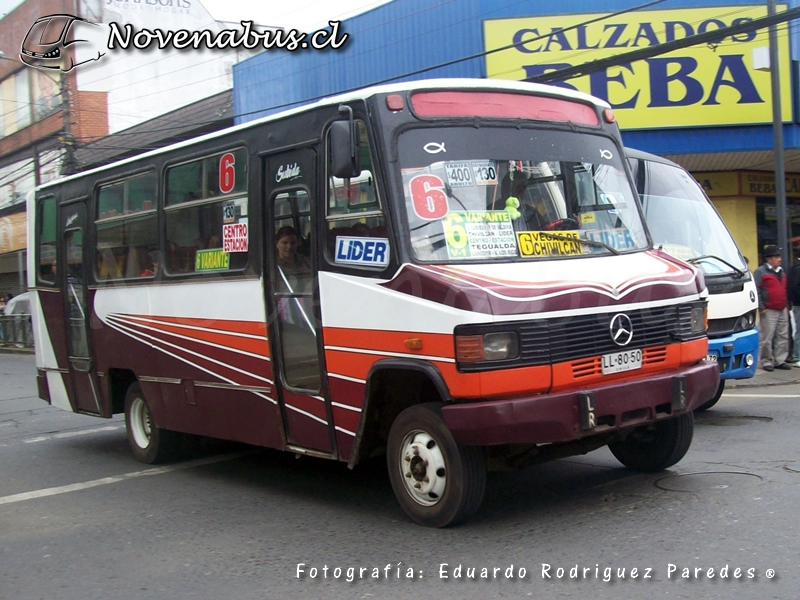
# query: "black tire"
(150, 444)
(714, 399)
(437, 481)
(655, 447)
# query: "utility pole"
(777, 141)
(70, 164)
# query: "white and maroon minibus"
(467, 284)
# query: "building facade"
(44, 114)
(57, 121)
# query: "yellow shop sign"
(707, 84)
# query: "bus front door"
(81, 381)
(294, 324)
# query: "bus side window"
(205, 198)
(46, 251)
(126, 226)
(354, 208)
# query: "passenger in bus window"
(107, 267)
(294, 277)
(288, 258)
(153, 260)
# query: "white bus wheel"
(150, 444)
(437, 481)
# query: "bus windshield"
(488, 193)
(684, 223)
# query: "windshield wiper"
(739, 272)
(595, 243)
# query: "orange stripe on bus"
(433, 344)
(588, 371)
(258, 328)
(349, 364)
(693, 351)
(222, 339)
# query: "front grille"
(721, 327)
(572, 338)
(564, 339)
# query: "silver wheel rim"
(141, 426)
(422, 467)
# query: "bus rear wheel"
(150, 444)
(655, 447)
(437, 481)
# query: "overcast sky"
(300, 14)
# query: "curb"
(760, 385)
(12, 350)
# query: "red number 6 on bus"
(227, 174)
(430, 201)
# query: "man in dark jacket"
(773, 303)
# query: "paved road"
(81, 519)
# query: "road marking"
(69, 434)
(76, 487)
(761, 396)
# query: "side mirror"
(345, 151)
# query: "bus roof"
(360, 94)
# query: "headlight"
(699, 319)
(746, 321)
(487, 347)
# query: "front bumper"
(566, 416)
(730, 353)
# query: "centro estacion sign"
(696, 86)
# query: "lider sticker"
(362, 251)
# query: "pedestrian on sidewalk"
(773, 305)
(794, 296)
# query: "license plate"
(711, 358)
(621, 361)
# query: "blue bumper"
(731, 351)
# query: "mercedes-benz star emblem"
(621, 329)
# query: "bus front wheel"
(150, 444)
(655, 447)
(437, 481)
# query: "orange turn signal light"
(469, 348)
(413, 344)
